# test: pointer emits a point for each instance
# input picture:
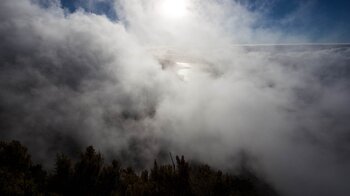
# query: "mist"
(69, 80)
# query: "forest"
(89, 174)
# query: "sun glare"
(173, 8)
(183, 70)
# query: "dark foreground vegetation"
(89, 175)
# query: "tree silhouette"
(87, 171)
(109, 180)
(17, 174)
(61, 180)
(90, 176)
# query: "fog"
(69, 80)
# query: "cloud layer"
(77, 79)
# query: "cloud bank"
(74, 79)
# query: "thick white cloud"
(80, 79)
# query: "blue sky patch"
(318, 20)
(105, 7)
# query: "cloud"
(71, 80)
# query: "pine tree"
(87, 171)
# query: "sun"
(174, 8)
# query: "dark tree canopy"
(89, 175)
